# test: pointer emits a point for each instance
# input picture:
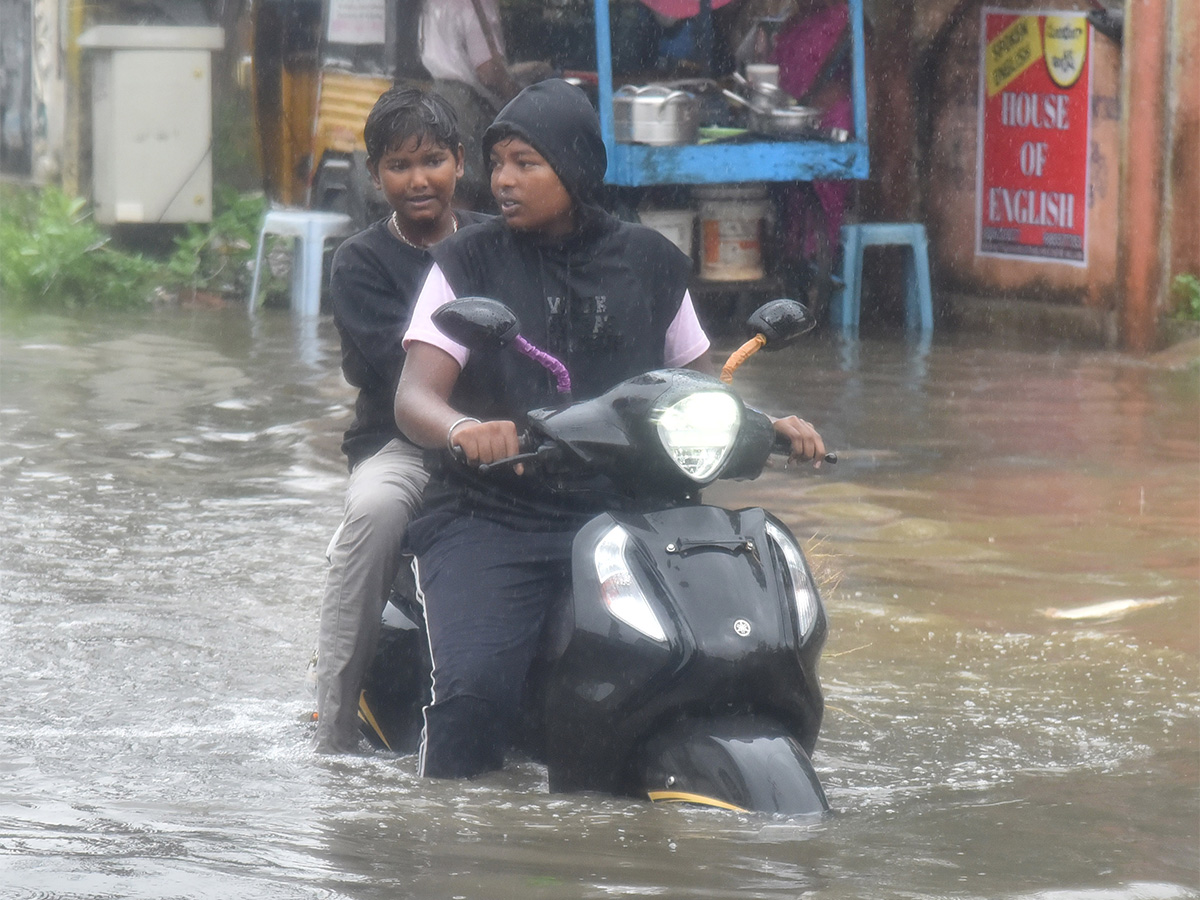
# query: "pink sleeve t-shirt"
(686, 340)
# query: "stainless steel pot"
(771, 112)
(786, 121)
(655, 114)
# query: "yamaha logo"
(741, 627)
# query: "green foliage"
(1187, 288)
(218, 256)
(52, 255)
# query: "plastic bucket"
(676, 225)
(732, 218)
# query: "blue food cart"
(749, 160)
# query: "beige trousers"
(383, 496)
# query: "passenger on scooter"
(415, 158)
(608, 298)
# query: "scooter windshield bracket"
(738, 544)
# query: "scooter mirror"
(478, 323)
(781, 322)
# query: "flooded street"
(1011, 548)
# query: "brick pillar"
(1143, 164)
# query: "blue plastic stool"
(844, 310)
(310, 228)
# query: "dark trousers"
(486, 590)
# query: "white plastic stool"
(844, 310)
(311, 228)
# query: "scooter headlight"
(619, 588)
(803, 595)
(699, 431)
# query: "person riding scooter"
(414, 156)
(608, 298)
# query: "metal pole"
(604, 70)
(76, 102)
(705, 21)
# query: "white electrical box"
(152, 122)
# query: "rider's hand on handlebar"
(806, 442)
(486, 442)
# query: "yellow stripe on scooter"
(367, 716)
(685, 797)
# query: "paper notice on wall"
(357, 21)
(1034, 134)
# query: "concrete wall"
(949, 183)
(1184, 174)
(1143, 199)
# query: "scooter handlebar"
(530, 450)
(784, 445)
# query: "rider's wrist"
(454, 425)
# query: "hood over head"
(558, 120)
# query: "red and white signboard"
(1034, 133)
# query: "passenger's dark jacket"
(373, 284)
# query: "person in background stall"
(812, 50)
(674, 35)
(462, 47)
(415, 158)
(810, 42)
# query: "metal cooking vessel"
(655, 114)
(790, 121)
(772, 112)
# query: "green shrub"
(1187, 288)
(217, 257)
(52, 255)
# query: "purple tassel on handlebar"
(561, 375)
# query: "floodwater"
(1011, 544)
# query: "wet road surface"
(1010, 548)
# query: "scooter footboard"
(396, 690)
(397, 685)
(745, 763)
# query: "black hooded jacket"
(601, 299)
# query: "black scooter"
(683, 664)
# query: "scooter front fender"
(744, 763)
